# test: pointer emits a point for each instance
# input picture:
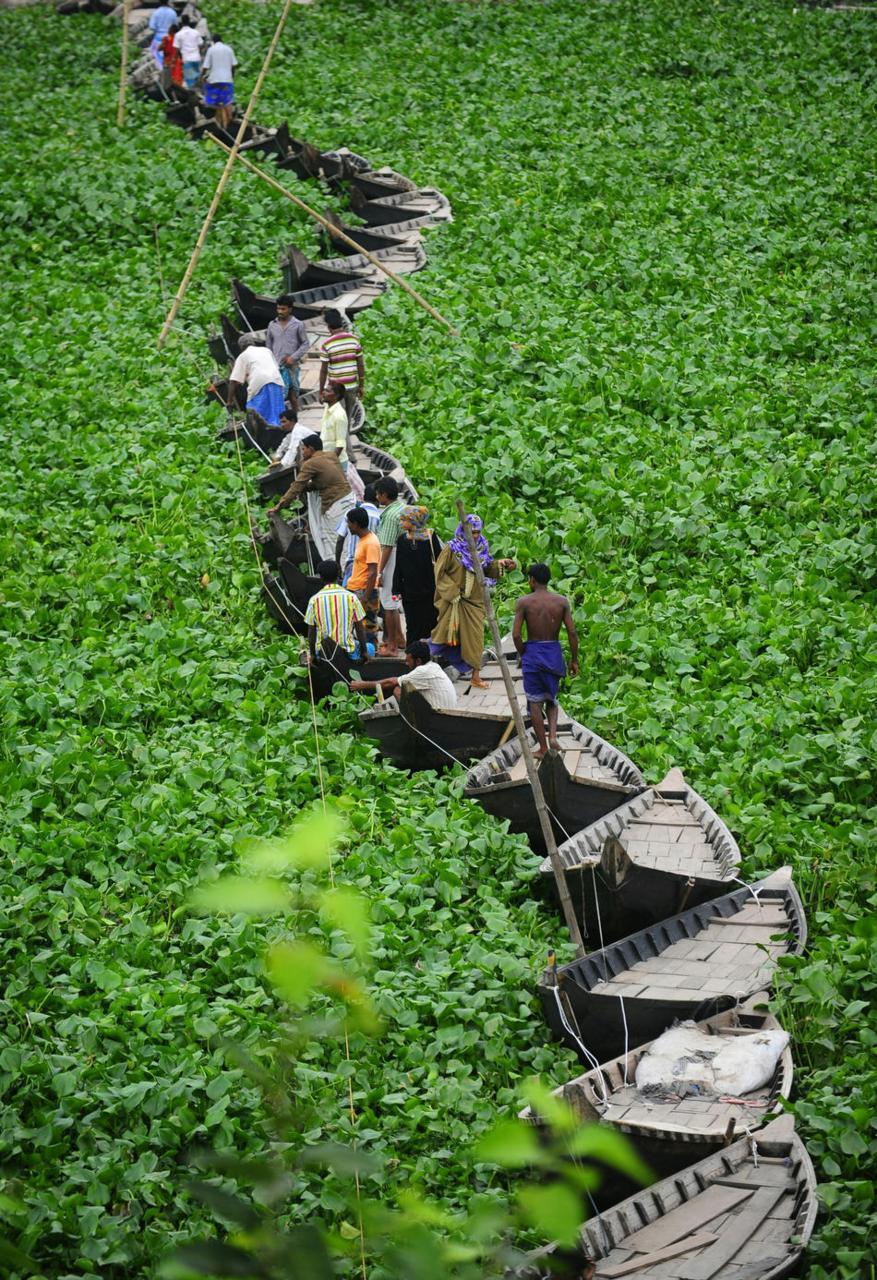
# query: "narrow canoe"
(422, 202)
(300, 273)
(745, 1212)
(586, 779)
(414, 735)
(673, 1127)
(689, 966)
(662, 850)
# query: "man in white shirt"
(286, 454)
(256, 369)
(218, 71)
(423, 676)
(189, 42)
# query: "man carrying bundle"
(319, 477)
(543, 612)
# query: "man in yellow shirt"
(333, 428)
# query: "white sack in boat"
(684, 1055)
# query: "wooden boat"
(365, 237)
(279, 606)
(258, 310)
(662, 850)
(373, 463)
(335, 666)
(586, 779)
(300, 273)
(374, 183)
(414, 735)
(287, 538)
(690, 966)
(422, 202)
(746, 1212)
(219, 352)
(299, 587)
(671, 1128)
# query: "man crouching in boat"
(544, 612)
(423, 676)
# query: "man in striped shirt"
(335, 614)
(389, 529)
(341, 361)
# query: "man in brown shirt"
(328, 494)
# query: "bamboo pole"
(123, 71)
(532, 772)
(226, 173)
(336, 231)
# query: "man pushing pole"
(544, 612)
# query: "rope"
(589, 1057)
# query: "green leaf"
(555, 1211)
(510, 1143)
(297, 969)
(240, 895)
(348, 911)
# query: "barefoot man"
(544, 612)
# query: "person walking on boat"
(336, 615)
(218, 70)
(423, 676)
(189, 41)
(345, 547)
(333, 428)
(171, 62)
(543, 613)
(322, 481)
(287, 340)
(341, 361)
(257, 371)
(392, 506)
(458, 636)
(366, 558)
(160, 22)
(417, 550)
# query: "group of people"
(177, 46)
(267, 372)
(389, 585)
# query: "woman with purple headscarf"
(458, 636)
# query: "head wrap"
(459, 544)
(414, 522)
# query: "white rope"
(589, 1057)
(751, 888)
(255, 443)
(626, 1036)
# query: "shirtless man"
(544, 612)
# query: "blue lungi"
(269, 401)
(220, 94)
(543, 667)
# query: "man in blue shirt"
(160, 22)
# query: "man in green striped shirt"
(389, 529)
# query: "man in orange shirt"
(366, 558)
